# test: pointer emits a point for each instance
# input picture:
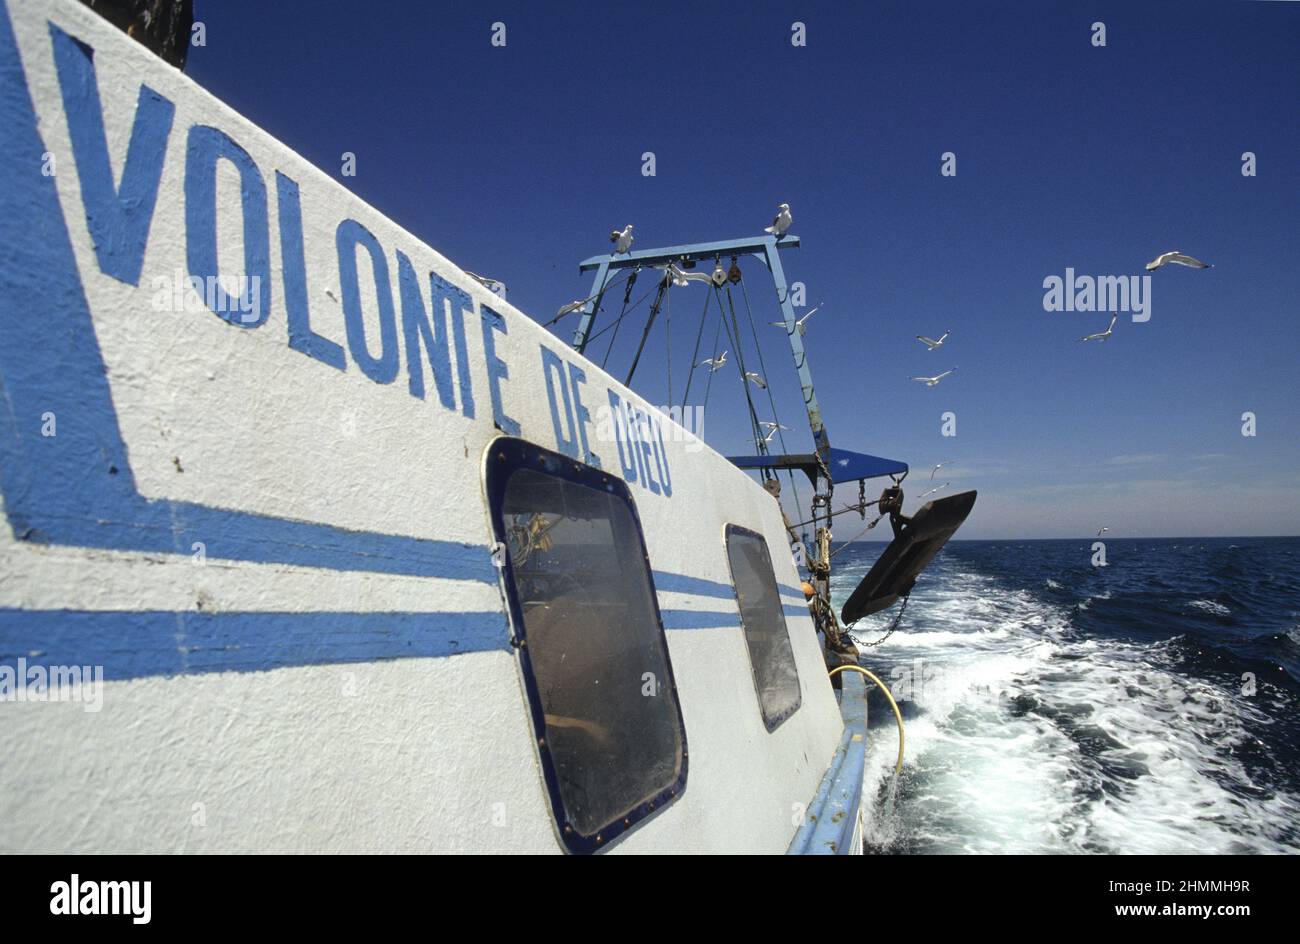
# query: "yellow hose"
(898, 767)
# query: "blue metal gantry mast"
(767, 250)
(825, 467)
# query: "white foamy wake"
(1023, 737)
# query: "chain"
(898, 618)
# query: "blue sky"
(516, 162)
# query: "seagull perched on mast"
(800, 323)
(933, 381)
(1102, 335)
(1176, 258)
(757, 379)
(714, 362)
(931, 343)
(622, 239)
(782, 221)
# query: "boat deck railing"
(831, 822)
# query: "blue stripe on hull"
(699, 619)
(699, 586)
(142, 643)
(715, 619)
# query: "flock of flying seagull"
(933, 344)
(622, 240)
(1165, 258)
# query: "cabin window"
(590, 641)
(770, 655)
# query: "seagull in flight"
(800, 324)
(931, 343)
(714, 362)
(1176, 258)
(757, 379)
(935, 489)
(770, 425)
(771, 432)
(782, 221)
(681, 277)
(1102, 335)
(940, 466)
(622, 239)
(575, 305)
(1102, 531)
(933, 381)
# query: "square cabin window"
(590, 641)
(761, 616)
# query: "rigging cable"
(568, 310)
(695, 357)
(874, 521)
(734, 340)
(649, 323)
(616, 322)
(716, 334)
(780, 435)
(600, 332)
(619, 320)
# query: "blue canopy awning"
(849, 466)
(845, 466)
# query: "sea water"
(1051, 706)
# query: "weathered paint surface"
(260, 510)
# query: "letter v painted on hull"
(118, 216)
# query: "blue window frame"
(590, 641)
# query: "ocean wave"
(1024, 735)
(1209, 606)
